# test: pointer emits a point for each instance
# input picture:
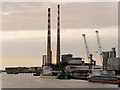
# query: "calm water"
(30, 81)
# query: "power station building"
(107, 55)
(76, 66)
(114, 63)
(110, 61)
(69, 59)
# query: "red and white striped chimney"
(58, 36)
(49, 39)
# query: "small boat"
(100, 76)
(36, 74)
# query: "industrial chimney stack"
(58, 36)
(49, 52)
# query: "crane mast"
(86, 46)
(99, 45)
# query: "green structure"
(63, 74)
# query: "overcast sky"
(25, 30)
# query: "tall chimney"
(114, 52)
(43, 61)
(90, 66)
(49, 40)
(58, 36)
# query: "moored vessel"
(100, 76)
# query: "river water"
(30, 81)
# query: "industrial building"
(114, 63)
(77, 67)
(69, 59)
(17, 70)
(110, 61)
(108, 55)
(105, 59)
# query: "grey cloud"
(33, 16)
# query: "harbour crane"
(86, 46)
(99, 45)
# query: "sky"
(24, 30)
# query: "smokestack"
(58, 36)
(90, 61)
(49, 39)
(43, 61)
(114, 52)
